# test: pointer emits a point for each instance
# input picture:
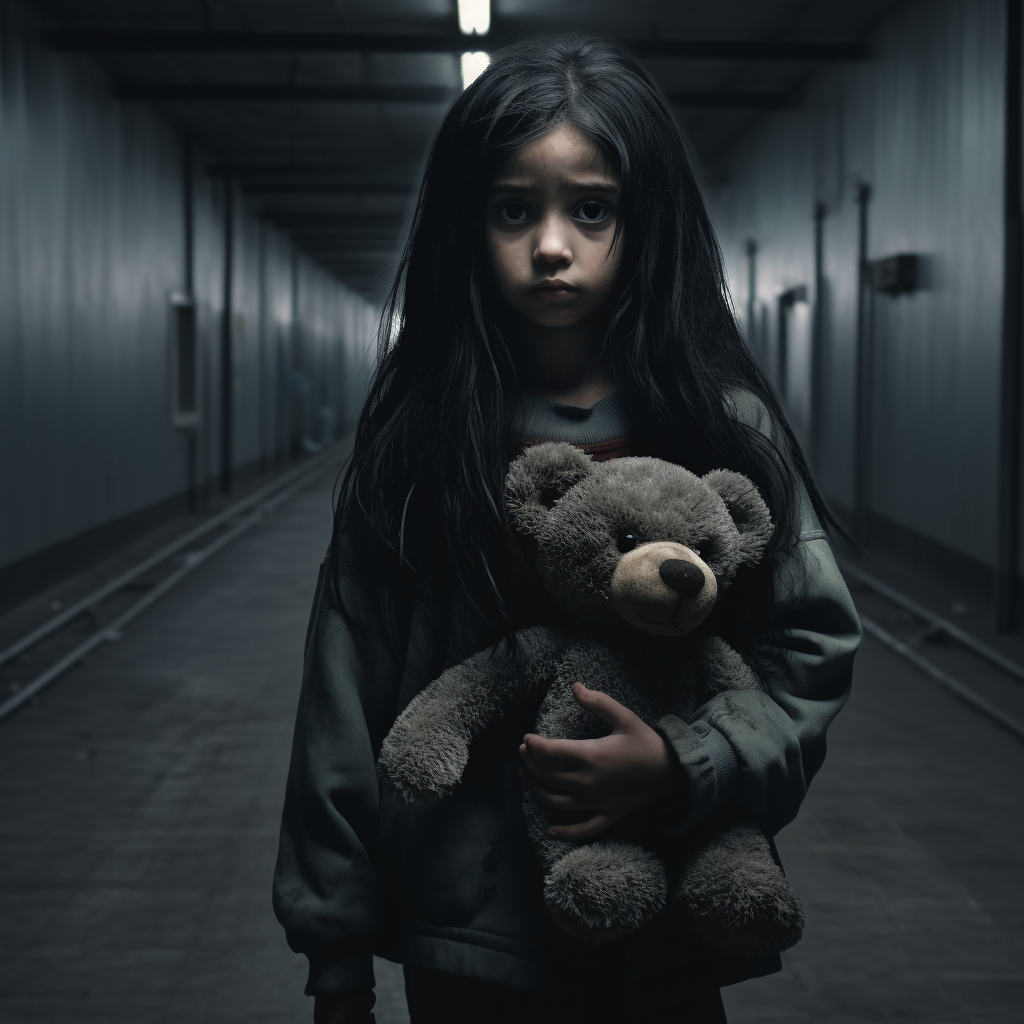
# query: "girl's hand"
(603, 779)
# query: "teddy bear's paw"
(741, 904)
(419, 769)
(605, 890)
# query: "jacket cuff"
(710, 764)
(340, 976)
(727, 766)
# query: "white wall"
(921, 122)
(92, 240)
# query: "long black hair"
(424, 488)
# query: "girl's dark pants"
(438, 998)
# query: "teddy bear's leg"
(596, 891)
(604, 890)
(733, 894)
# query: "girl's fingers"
(608, 709)
(584, 830)
(567, 754)
(565, 802)
(559, 779)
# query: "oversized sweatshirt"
(454, 886)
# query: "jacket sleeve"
(326, 892)
(763, 747)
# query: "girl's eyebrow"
(592, 186)
(567, 185)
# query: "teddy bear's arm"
(722, 668)
(425, 753)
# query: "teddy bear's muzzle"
(663, 588)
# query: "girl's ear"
(538, 478)
(748, 511)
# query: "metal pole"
(818, 337)
(263, 403)
(187, 203)
(862, 427)
(785, 304)
(752, 339)
(191, 435)
(226, 368)
(1008, 498)
(293, 430)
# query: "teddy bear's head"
(634, 539)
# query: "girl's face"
(551, 215)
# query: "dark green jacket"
(455, 886)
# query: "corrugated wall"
(92, 241)
(921, 123)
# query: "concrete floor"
(140, 797)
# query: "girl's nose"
(552, 245)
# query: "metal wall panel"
(92, 242)
(921, 122)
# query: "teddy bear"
(633, 553)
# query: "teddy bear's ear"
(539, 477)
(748, 511)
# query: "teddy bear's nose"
(682, 576)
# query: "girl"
(561, 282)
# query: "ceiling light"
(473, 65)
(474, 17)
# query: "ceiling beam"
(259, 92)
(371, 264)
(361, 247)
(343, 239)
(305, 221)
(316, 236)
(220, 92)
(320, 235)
(263, 170)
(326, 187)
(726, 100)
(362, 42)
(354, 248)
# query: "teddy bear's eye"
(625, 541)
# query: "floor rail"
(251, 509)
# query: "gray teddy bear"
(634, 553)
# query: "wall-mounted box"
(895, 275)
(798, 293)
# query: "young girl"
(561, 282)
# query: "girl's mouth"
(554, 290)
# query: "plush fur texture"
(634, 552)
(733, 893)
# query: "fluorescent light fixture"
(474, 17)
(473, 65)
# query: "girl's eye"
(514, 213)
(592, 213)
(625, 541)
